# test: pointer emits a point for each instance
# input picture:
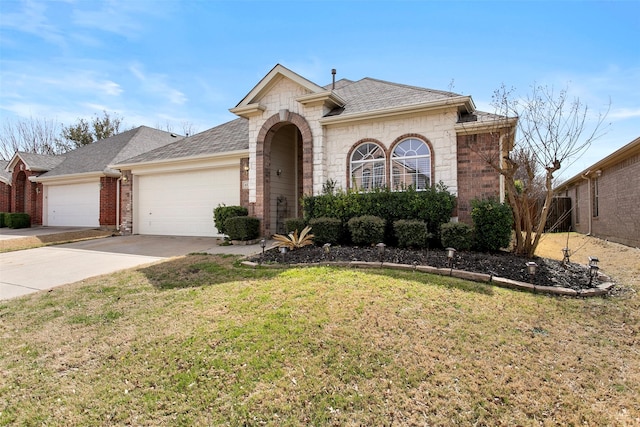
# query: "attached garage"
(75, 205)
(182, 203)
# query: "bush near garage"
(17, 220)
(242, 228)
(293, 224)
(2, 221)
(222, 213)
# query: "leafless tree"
(551, 131)
(40, 136)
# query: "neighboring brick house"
(5, 187)
(293, 136)
(77, 188)
(605, 197)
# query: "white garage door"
(181, 204)
(74, 205)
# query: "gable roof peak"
(270, 79)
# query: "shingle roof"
(97, 156)
(230, 136)
(4, 175)
(40, 162)
(371, 94)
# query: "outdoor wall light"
(279, 172)
(531, 269)
(381, 247)
(246, 168)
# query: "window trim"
(375, 179)
(399, 141)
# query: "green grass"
(199, 341)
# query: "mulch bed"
(502, 264)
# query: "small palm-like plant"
(293, 240)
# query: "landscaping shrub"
(366, 229)
(411, 233)
(457, 235)
(326, 230)
(493, 222)
(2, 223)
(293, 224)
(222, 213)
(242, 227)
(433, 206)
(17, 220)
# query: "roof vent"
(333, 74)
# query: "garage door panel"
(74, 205)
(181, 204)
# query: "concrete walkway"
(32, 270)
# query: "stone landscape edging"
(599, 290)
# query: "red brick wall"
(108, 201)
(476, 178)
(26, 196)
(5, 197)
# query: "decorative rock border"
(600, 290)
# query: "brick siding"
(476, 178)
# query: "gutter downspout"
(589, 198)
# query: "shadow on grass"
(196, 270)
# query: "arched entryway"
(284, 170)
(20, 192)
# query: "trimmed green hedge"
(222, 213)
(493, 222)
(17, 220)
(366, 230)
(243, 227)
(433, 206)
(411, 233)
(293, 224)
(326, 230)
(457, 235)
(2, 223)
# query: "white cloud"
(156, 84)
(624, 113)
(32, 19)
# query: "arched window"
(368, 167)
(411, 165)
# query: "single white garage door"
(181, 204)
(75, 205)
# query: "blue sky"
(173, 62)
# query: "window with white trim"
(368, 165)
(411, 165)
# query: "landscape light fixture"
(381, 247)
(531, 269)
(283, 252)
(593, 268)
(566, 253)
(451, 253)
(263, 244)
(327, 249)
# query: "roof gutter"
(458, 101)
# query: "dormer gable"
(313, 94)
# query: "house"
(605, 197)
(291, 137)
(77, 188)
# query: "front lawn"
(199, 341)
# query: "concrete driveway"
(32, 270)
